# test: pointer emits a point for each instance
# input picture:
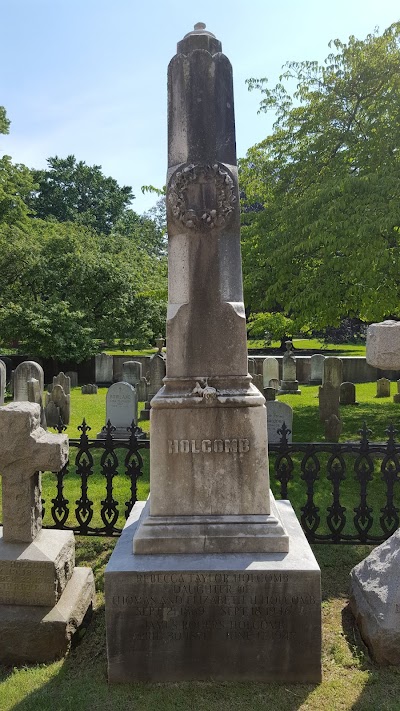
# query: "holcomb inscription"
(205, 446)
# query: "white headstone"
(278, 412)
(121, 405)
(317, 368)
(132, 372)
(24, 372)
(270, 370)
(104, 368)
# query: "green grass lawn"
(350, 679)
(312, 344)
(79, 682)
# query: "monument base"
(211, 534)
(237, 616)
(289, 387)
(33, 634)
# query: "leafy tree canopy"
(16, 183)
(71, 191)
(326, 244)
(65, 289)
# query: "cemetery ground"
(350, 679)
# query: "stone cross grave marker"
(26, 449)
(270, 370)
(23, 372)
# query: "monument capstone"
(211, 578)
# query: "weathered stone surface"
(229, 617)
(34, 394)
(383, 387)
(89, 389)
(52, 414)
(252, 366)
(269, 394)
(258, 381)
(62, 403)
(104, 369)
(157, 374)
(64, 380)
(278, 413)
(333, 428)
(270, 370)
(132, 372)
(36, 573)
(383, 345)
(317, 369)
(328, 401)
(141, 389)
(22, 373)
(73, 376)
(347, 394)
(375, 600)
(3, 377)
(333, 371)
(36, 634)
(25, 449)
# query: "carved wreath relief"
(202, 196)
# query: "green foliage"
(65, 289)
(71, 191)
(272, 326)
(147, 234)
(326, 244)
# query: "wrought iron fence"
(343, 492)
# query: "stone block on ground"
(229, 617)
(375, 600)
(383, 345)
(383, 387)
(33, 634)
(347, 394)
(36, 573)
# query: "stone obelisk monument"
(211, 551)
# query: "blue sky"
(88, 77)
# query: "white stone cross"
(26, 449)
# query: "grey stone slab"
(222, 617)
(383, 345)
(73, 376)
(383, 387)
(329, 397)
(3, 378)
(347, 395)
(375, 600)
(278, 413)
(333, 371)
(104, 368)
(35, 635)
(37, 573)
(316, 369)
(132, 372)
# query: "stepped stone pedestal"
(43, 596)
(212, 579)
